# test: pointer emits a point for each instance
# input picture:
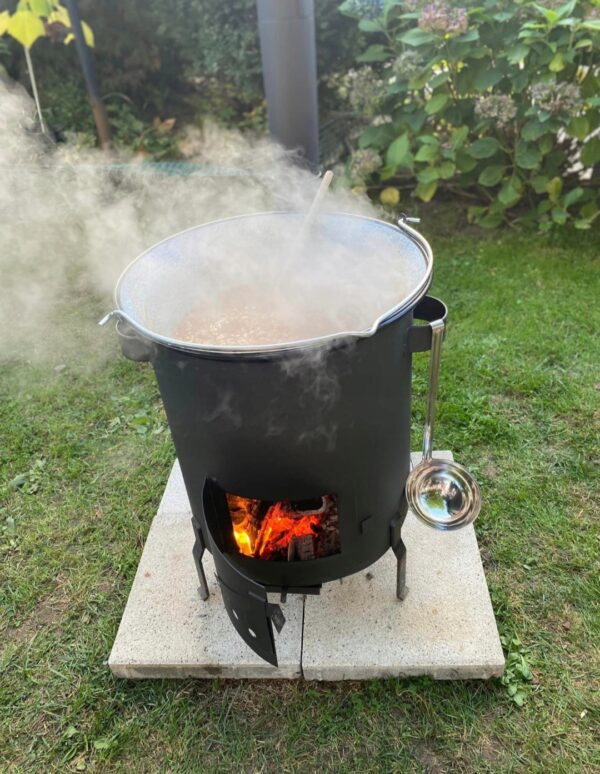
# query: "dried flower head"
(556, 98)
(366, 9)
(362, 88)
(441, 18)
(499, 107)
(407, 65)
(362, 164)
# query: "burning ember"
(285, 530)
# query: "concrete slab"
(356, 629)
(445, 627)
(168, 631)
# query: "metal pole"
(289, 61)
(89, 75)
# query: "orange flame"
(275, 532)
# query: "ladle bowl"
(443, 494)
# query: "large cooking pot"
(289, 420)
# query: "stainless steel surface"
(437, 335)
(441, 493)
(365, 223)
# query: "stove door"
(245, 600)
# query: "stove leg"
(401, 589)
(198, 553)
(399, 550)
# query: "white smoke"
(72, 220)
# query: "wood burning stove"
(294, 480)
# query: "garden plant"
(496, 103)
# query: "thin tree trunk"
(34, 89)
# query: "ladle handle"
(437, 335)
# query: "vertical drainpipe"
(289, 62)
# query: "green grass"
(519, 405)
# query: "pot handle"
(133, 346)
(429, 309)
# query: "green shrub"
(498, 103)
(183, 58)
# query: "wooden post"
(89, 75)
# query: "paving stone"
(357, 628)
(168, 631)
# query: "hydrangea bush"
(498, 102)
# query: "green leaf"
(539, 184)
(590, 154)
(527, 156)
(102, 744)
(464, 162)
(558, 63)
(398, 151)
(508, 195)
(487, 77)
(25, 27)
(591, 24)
(426, 191)
(374, 53)
(369, 25)
(439, 79)
(546, 144)
(574, 195)
(417, 37)
(554, 188)
(559, 215)
(459, 136)
(491, 175)
(579, 127)
(483, 148)
(18, 481)
(491, 220)
(517, 53)
(589, 210)
(385, 173)
(428, 175)
(468, 37)
(428, 139)
(427, 153)
(436, 103)
(519, 81)
(566, 9)
(415, 120)
(533, 130)
(446, 170)
(378, 137)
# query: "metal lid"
(158, 285)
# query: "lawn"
(85, 454)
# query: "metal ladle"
(441, 493)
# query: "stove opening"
(285, 530)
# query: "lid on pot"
(260, 283)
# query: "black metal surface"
(294, 427)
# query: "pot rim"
(329, 339)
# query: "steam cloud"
(71, 222)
